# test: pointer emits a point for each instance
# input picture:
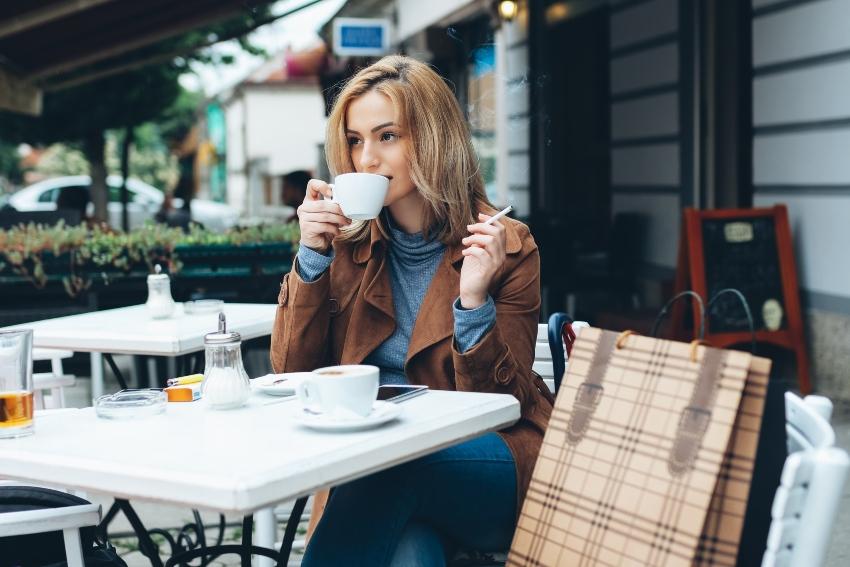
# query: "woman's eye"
(388, 136)
(353, 141)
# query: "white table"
(242, 460)
(129, 330)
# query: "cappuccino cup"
(360, 195)
(340, 392)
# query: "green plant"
(198, 236)
(82, 253)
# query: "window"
(49, 196)
(481, 110)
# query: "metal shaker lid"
(158, 276)
(222, 336)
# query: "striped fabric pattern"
(610, 487)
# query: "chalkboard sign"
(749, 250)
(742, 254)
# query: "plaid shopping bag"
(648, 456)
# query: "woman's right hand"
(319, 219)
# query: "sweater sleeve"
(472, 324)
(312, 264)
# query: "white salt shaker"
(160, 304)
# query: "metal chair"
(67, 519)
(562, 332)
(810, 491)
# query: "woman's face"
(378, 144)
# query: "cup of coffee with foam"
(360, 195)
(340, 392)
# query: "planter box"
(234, 261)
(274, 258)
(215, 260)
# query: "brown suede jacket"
(347, 313)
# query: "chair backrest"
(806, 426)
(54, 381)
(547, 357)
(807, 500)
(27, 510)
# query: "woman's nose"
(368, 158)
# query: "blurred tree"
(62, 159)
(83, 113)
(151, 159)
(9, 158)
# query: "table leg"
(198, 365)
(109, 360)
(184, 547)
(146, 545)
(247, 534)
(244, 550)
(153, 379)
(291, 529)
(96, 375)
(265, 535)
(171, 366)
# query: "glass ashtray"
(130, 404)
(202, 306)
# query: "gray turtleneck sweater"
(413, 260)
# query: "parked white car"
(143, 202)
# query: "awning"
(51, 44)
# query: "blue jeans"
(415, 514)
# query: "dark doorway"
(726, 85)
(572, 196)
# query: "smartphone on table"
(399, 392)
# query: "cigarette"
(499, 215)
(183, 380)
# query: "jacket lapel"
(373, 315)
(435, 320)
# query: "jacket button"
(334, 306)
(504, 376)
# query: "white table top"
(129, 330)
(241, 460)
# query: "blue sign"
(361, 36)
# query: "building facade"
(601, 120)
(274, 124)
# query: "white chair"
(810, 491)
(68, 519)
(54, 381)
(543, 354)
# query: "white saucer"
(279, 384)
(382, 412)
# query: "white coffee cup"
(360, 195)
(341, 392)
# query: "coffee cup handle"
(308, 396)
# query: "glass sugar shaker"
(226, 384)
(160, 304)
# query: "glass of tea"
(16, 395)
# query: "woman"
(431, 295)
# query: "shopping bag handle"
(747, 311)
(674, 299)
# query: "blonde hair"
(442, 161)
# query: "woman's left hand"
(483, 256)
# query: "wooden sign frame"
(691, 274)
